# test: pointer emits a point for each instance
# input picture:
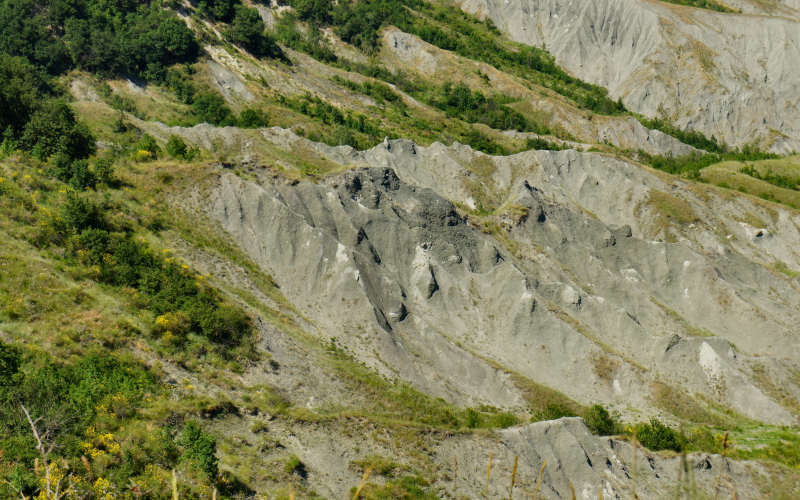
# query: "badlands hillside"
(388, 249)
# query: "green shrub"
(199, 448)
(314, 11)
(538, 144)
(219, 10)
(253, 118)
(211, 108)
(104, 171)
(78, 214)
(599, 421)
(53, 129)
(76, 173)
(148, 143)
(10, 360)
(657, 436)
(552, 411)
(175, 147)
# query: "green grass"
(704, 4)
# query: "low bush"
(600, 422)
(654, 435)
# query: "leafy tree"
(22, 85)
(219, 10)
(249, 31)
(53, 129)
(253, 118)
(314, 11)
(211, 108)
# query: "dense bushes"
(689, 137)
(656, 436)
(691, 165)
(53, 129)
(163, 286)
(474, 107)
(359, 23)
(219, 10)
(247, 29)
(600, 421)
(66, 397)
(310, 42)
(89, 409)
(380, 92)
(211, 108)
(704, 4)
(136, 37)
(199, 448)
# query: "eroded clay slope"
(592, 275)
(734, 76)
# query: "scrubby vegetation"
(359, 23)
(691, 165)
(704, 4)
(136, 38)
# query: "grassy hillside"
(136, 361)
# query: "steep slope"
(414, 286)
(729, 75)
(398, 249)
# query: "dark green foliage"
(691, 165)
(657, 436)
(310, 42)
(178, 82)
(345, 124)
(473, 107)
(380, 92)
(78, 214)
(358, 23)
(600, 421)
(148, 143)
(22, 85)
(163, 286)
(248, 31)
(76, 173)
(176, 148)
(135, 38)
(689, 137)
(199, 448)
(211, 108)
(10, 360)
(704, 4)
(65, 397)
(25, 30)
(219, 10)
(538, 143)
(477, 140)
(771, 177)
(253, 118)
(552, 411)
(53, 129)
(104, 171)
(488, 417)
(313, 11)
